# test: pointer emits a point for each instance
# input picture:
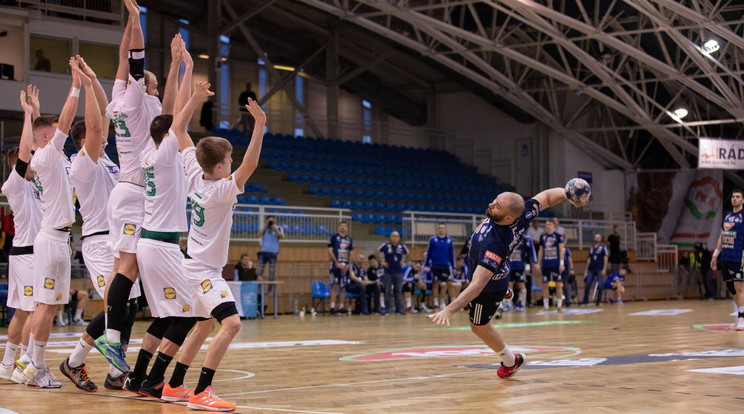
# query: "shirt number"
(197, 214)
(121, 129)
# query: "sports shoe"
(177, 394)
(78, 322)
(622, 302)
(150, 389)
(333, 311)
(6, 371)
(424, 308)
(78, 376)
(113, 353)
(115, 383)
(19, 378)
(506, 372)
(207, 401)
(132, 384)
(499, 313)
(442, 305)
(59, 322)
(739, 324)
(411, 310)
(519, 308)
(41, 378)
(506, 307)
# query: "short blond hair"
(211, 151)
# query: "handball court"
(682, 357)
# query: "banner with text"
(721, 154)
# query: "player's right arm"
(182, 120)
(70, 107)
(250, 159)
(551, 197)
(716, 252)
(122, 71)
(93, 134)
(481, 276)
(27, 136)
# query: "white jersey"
(165, 187)
(23, 198)
(93, 183)
(132, 111)
(212, 205)
(49, 165)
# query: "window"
(50, 54)
(367, 139)
(184, 32)
(224, 94)
(143, 22)
(299, 132)
(101, 57)
(300, 96)
(367, 122)
(263, 81)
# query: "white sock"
(77, 358)
(382, 302)
(115, 373)
(560, 302)
(10, 353)
(78, 315)
(112, 335)
(60, 316)
(341, 306)
(736, 312)
(408, 303)
(333, 305)
(39, 357)
(24, 349)
(546, 303)
(507, 356)
(436, 302)
(523, 296)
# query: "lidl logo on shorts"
(59, 296)
(224, 294)
(129, 229)
(28, 291)
(186, 308)
(206, 286)
(48, 283)
(169, 293)
(101, 281)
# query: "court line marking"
(286, 410)
(348, 384)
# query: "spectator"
(358, 285)
(393, 259)
(615, 254)
(245, 270)
(616, 282)
(440, 258)
(42, 63)
(596, 268)
(534, 232)
(78, 301)
(246, 120)
(206, 118)
(375, 274)
(339, 250)
(558, 228)
(412, 282)
(270, 236)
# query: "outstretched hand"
(132, 7)
(85, 68)
(175, 47)
(201, 89)
(27, 108)
(256, 111)
(441, 318)
(75, 74)
(80, 74)
(33, 97)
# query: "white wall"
(12, 49)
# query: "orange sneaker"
(206, 401)
(177, 394)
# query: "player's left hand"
(561, 268)
(441, 318)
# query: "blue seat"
(293, 177)
(314, 190)
(379, 218)
(356, 216)
(368, 218)
(320, 294)
(335, 203)
(323, 229)
(346, 204)
(264, 200)
(325, 191)
(276, 200)
(380, 230)
(251, 199)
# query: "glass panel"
(50, 54)
(101, 58)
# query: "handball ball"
(578, 191)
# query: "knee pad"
(158, 327)
(224, 310)
(730, 286)
(137, 63)
(178, 329)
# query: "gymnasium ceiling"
(607, 75)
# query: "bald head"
(505, 209)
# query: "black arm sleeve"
(137, 63)
(21, 167)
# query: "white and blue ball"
(578, 191)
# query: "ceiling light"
(680, 113)
(202, 56)
(282, 67)
(711, 46)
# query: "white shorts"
(21, 282)
(125, 213)
(100, 264)
(166, 288)
(208, 287)
(52, 267)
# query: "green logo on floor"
(512, 325)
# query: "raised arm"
(250, 159)
(171, 84)
(182, 120)
(68, 111)
(93, 134)
(100, 94)
(550, 197)
(184, 91)
(122, 71)
(137, 40)
(27, 136)
(33, 100)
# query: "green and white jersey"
(165, 187)
(212, 205)
(50, 176)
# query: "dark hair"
(243, 255)
(342, 222)
(442, 224)
(270, 217)
(12, 156)
(736, 190)
(45, 121)
(77, 132)
(211, 151)
(159, 127)
(371, 257)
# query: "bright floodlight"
(680, 113)
(711, 46)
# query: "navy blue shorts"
(484, 307)
(441, 275)
(517, 276)
(731, 271)
(551, 274)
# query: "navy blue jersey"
(441, 253)
(375, 274)
(461, 274)
(549, 244)
(358, 271)
(393, 256)
(492, 244)
(732, 237)
(597, 256)
(615, 276)
(342, 247)
(409, 275)
(523, 255)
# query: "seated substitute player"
(520, 262)
(508, 217)
(412, 282)
(551, 260)
(440, 259)
(23, 198)
(458, 279)
(213, 191)
(616, 282)
(358, 283)
(339, 250)
(375, 273)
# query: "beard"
(494, 217)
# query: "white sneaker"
(739, 324)
(18, 376)
(42, 378)
(442, 306)
(424, 308)
(79, 322)
(59, 322)
(6, 371)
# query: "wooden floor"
(602, 362)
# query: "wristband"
(527, 268)
(561, 263)
(716, 252)
(75, 92)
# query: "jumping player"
(730, 246)
(508, 217)
(23, 198)
(551, 259)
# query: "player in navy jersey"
(596, 268)
(440, 258)
(375, 273)
(730, 246)
(520, 262)
(339, 250)
(507, 218)
(551, 260)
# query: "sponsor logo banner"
(726, 154)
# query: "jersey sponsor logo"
(28, 291)
(48, 283)
(728, 226)
(224, 294)
(186, 308)
(206, 286)
(101, 281)
(493, 256)
(130, 229)
(169, 293)
(59, 296)
(228, 178)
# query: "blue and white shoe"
(113, 352)
(519, 308)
